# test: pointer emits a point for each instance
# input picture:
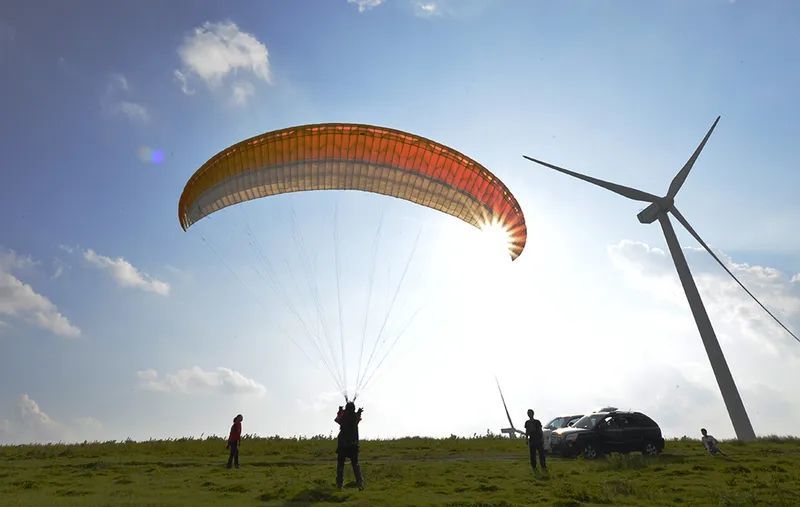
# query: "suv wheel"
(650, 449)
(590, 451)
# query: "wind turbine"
(659, 209)
(512, 431)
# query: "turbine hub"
(665, 203)
(650, 213)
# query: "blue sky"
(113, 320)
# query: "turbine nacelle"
(650, 213)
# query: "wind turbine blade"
(630, 193)
(504, 405)
(679, 178)
(703, 244)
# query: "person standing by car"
(534, 435)
(234, 439)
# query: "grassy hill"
(409, 471)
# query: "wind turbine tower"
(659, 209)
(512, 431)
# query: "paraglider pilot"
(347, 443)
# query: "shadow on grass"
(315, 494)
(25, 484)
(501, 503)
(72, 492)
(225, 488)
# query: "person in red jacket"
(234, 439)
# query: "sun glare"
(495, 238)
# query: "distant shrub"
(321, 437)
(777, 439)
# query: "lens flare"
(496, 237)
(150, 155)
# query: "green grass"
(409, 471)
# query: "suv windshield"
(588, 422)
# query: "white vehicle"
(556, 424)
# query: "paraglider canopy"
(345, 156)
(342, 156)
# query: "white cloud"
(132, 110)
(364, 5)
(639, 257)
(449, 8)
(29, 423)
(796, 278)
(118, 82)
(195, 380)
(58, 268)
(242, 91)
(116, 100)
(125, 274)
(216, 53)
(647, 268)
(426, 9)
(180, 77)
(10, 260)
(30, 411)
(18, 299)
(652, 269)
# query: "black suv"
(615, 431)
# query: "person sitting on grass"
(234, 440)
(347, 443)
(710, 443)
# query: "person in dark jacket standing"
(234, 439)
(347, 443)
(533, 433)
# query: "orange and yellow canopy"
(342, 156)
